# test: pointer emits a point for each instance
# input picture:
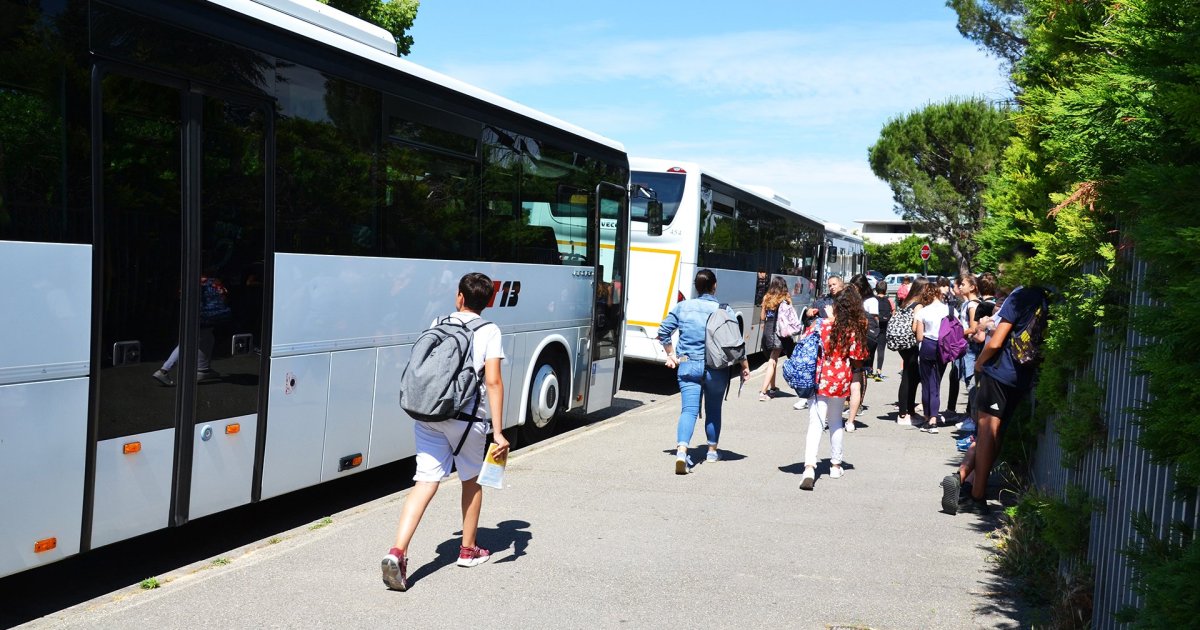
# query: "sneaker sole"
(680, 467)
(950, 495)
(391, 575)
(473, 562)
(807, 483)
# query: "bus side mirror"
(832, 254)
(654, 217)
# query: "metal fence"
(1118, 474)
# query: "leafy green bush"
(1166, 569)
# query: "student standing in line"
(928, 322)
(886, 307)
(1003, 381)
(842, 348)
(435, 441)
(905, 287)
(968, 291)
(772, 343)
(950, 297)
(910, 372)
(858, 383)
(690, 318)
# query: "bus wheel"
(544, 402)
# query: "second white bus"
(744, 235)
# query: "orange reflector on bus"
(230, 429)
(357, 461)
(45, 545)
(132, 447)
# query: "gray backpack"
(440, 376)
(723, 342)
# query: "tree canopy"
(995, 25)
(905, 256)
(394, 16)
(936, 161)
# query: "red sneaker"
(471, 556)
(395, 570)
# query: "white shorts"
(436, 442)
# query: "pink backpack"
(787, 323)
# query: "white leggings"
(824, 408)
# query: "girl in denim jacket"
(690, 317)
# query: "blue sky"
(785, 94)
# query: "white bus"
(264, 191)
(744, 234)
(845, 254)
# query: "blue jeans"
(695, 379)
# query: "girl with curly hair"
(843, 347)
(772, 343)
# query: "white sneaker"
(836, 472)
(809, 478)
(850, 427)
(682, 463)
(904, 421)
(801, 404)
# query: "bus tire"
(545, 401)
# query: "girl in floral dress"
(843, 347)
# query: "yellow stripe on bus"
(578, 244)
(674, 272)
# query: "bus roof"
(334, 28)
(762, 192)
(837, 230)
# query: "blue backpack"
(800, 369)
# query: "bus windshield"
(668, 187)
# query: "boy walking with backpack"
(453, 428)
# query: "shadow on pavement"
(505, 535)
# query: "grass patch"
(1040, 545)
(220, 562)
(321, 523)
(149, 584)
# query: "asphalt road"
(593, 529)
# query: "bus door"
(608, 317)
(181, 270)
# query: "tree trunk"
(964, 265)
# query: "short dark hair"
(881, 286)
(705, 281)
(476, 289)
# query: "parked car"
(874, 276)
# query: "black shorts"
(996, 398)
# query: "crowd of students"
(851, 325)
(856, 323)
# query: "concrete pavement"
(593, 529)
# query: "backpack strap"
(474, 326)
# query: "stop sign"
(925, 252)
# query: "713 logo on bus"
(507, 291)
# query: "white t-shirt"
(871, 306)
(931, 317)
(486, 345)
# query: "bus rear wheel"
(545, 399)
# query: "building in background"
(888, 231)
